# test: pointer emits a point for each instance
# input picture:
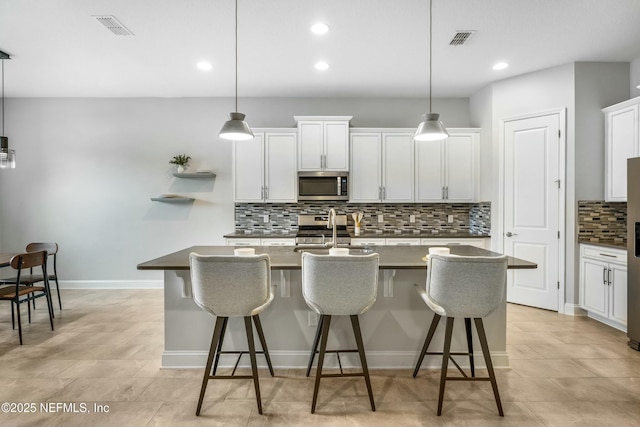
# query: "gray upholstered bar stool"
(339, 286)
(232, 286)
(464, 287)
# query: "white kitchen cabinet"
(264, 168)
(403, 241)
(603, 284)
(323, 143)
(479, 243)
(381, 166)
(254, 241)
(448, 170)
(622, 136)
(368, 241)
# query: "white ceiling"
(374, 47)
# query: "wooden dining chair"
(52, 252)
(18, 293)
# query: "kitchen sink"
(325, 251)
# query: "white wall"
(88, 167)
(634, 78)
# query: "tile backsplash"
(433, 217)
(602, 222)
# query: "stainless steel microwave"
(323, 185)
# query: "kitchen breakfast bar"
(393, 329)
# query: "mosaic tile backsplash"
(283, 217)
(602, 222)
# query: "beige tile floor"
(106, 349)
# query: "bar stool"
(230, 286)
(467, 287)
(339, 286)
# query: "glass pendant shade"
(7, 156)
(431, 129)
(236, 129)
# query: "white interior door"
(531, 208)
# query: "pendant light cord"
(430, 48)
(236, 56)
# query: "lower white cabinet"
(603, 284)
(415, 241)
(254, 241)
(368, 241)
(479, 243)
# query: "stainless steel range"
(312, 230)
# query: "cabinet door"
(278, 242)
(336, 145)
(429, 177)
(363, 241)
(280, 167)
(593, 286)
(366, 168)
(618, 293)
(310, 146)
(460, 167)
(397, 167)
(621, 136)
(248, 169)
(243, 242)
(400, 241)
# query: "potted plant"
(181, 160)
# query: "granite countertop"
(369, 234)
(612, 245)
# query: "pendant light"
(236, 129)
(7, 156)
(431, 128)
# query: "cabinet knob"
(509, 234)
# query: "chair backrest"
(29, 260)
(339, 285)
(228, 285)
(51, 248)
(466, 286)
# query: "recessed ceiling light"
(500, 66)
(322, 66)
(319, 28)
(204, 66)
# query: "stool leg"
(58, 291)
(467, 326)
(355, 323)
(217, 359)
(207, 370)
(427, 341)
(263, 342)
(326, 323)
(19, 320)
(487, 358)
(252, 355)
(314, 347)
(445, 361)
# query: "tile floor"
(565, 371)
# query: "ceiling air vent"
(461, 37)
(113, 25)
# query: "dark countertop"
(284, 257)
(365, 235)
(605, 245)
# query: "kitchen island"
(393, 329)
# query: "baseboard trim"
(299, 359)
(574, 310)
(111, 284)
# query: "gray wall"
(86, 169)
(635, 78)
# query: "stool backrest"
(339, 285)
(467, 286)
(51, 248)
(228, 285)
(29, 260)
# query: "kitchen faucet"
(331, 222)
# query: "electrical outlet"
(313, 318)
(450, 219)
(412, 218)
(265, 218)
(380, 218)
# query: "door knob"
(509, 234)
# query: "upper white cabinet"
(622, 132)
(264, 168)
(448, 170)
(381, 165)
(323, 143)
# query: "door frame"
(562, 194)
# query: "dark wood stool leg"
(326, 323)
(19, 320)
(263, 342)
(355, 323)
(445, 361)
(252, 355)
(217, 359)
(58, 291)
(50, 307)
(467, 326)
(314, 347)
(29, 307)
(487, 358)
(207, 370)
(427, 341)
(13, 316)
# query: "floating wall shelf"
(173, 199)
(194, 175)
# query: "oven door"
(323, 186)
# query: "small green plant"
(180, 160)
